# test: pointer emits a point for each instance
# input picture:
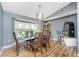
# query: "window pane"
(24, 30)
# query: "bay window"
(25, 29)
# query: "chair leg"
(45, 47)
(17, 50)
(49, 44)
(35, 53)
(41, 51)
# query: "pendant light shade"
(39, 15)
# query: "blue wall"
(8, 26)
(57, 24)
(1, 26)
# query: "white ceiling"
(31, 8)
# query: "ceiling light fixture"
(39, 15)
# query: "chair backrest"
(39, 37)
(46, 35)
(14, 35)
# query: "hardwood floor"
(55, 50)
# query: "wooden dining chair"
(36, 44)
(46, 40)
(18, 45)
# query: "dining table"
(27, 39)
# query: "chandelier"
(39, 15)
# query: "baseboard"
(6, 47)
(9, 46)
